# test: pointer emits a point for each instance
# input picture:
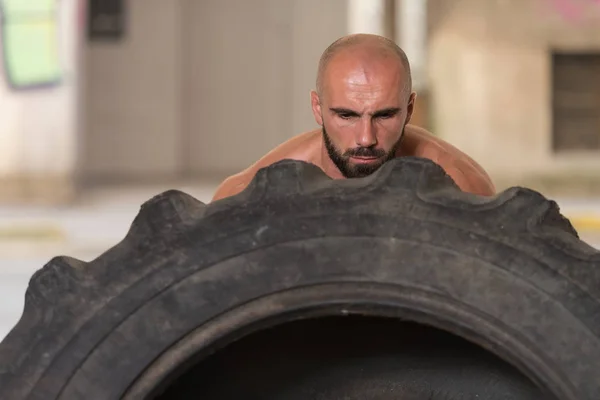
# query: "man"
(363, 102)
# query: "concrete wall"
(133, 96)
(205, 87)
(38, 126)
(490, 71)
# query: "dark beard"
(342, 162)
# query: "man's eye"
(386, 116)
(346, 116)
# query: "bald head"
(366, 47)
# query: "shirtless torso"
(308, 146)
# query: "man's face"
(346, 161)
(363, 111)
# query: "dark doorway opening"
(576, 102)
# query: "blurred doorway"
(576, 102)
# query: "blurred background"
(106, 103)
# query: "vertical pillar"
(411, 34)
(367, 16)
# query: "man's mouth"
(364, 160)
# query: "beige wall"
(133, 96)
(38, 127)
(491, 84)
(203, 87)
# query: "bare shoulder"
(464, 170)
(302, 147)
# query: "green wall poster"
(30, 36)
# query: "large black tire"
(506, 272)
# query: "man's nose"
(366, 135)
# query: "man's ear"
(315, 103)
(411, 106)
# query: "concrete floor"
(102, 219)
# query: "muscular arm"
(300, 147)
(469, 176)
(471, 180)
(464, 171)
(233, 185)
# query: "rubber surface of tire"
(508, 272)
